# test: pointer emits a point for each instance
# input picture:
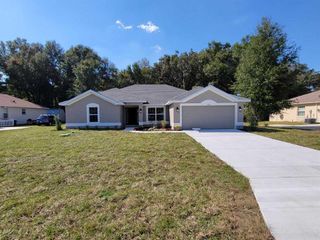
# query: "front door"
(132, 116)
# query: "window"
(23, 111)
(301, 111)
(5, 115)
(93, 113)
(155, 114)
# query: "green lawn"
(119, 185)
(306, 138)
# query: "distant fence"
(7, 123)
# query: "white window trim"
(155, 106)
(88, 113)
(304, 111)
(236, 123)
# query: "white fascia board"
(86, 94)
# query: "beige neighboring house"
(149, 104)
(18, 110)
(304, 107)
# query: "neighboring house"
(303, 107)
(149, 104)
(19, 110)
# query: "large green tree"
(219, 65)
(263, 73)
(85, 69)
(27, 68)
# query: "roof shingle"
(11, 101)
(148, 93)
(313, 97)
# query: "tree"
(85, 69)
(139, 72)
(60, 85)
(220, 65)
(26, 67)
(263, 73)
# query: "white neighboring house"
(18, 110)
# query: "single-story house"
(304, 107)
(149, 104)
(19, 110)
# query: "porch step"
(129, 129)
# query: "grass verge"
(306, 138)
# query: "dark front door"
(132, 116)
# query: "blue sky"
(126, 31)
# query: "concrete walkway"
(11, 128)
(285, 179)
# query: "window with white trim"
(155, 114)
(301, 111)
(23, 111)
(93, 113)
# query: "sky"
(127, 31)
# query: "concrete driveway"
(11, 128)
(285, 179)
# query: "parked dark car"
(45, 119)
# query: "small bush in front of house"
(251, 117)
(163, 124)
(177, 128)
(58, 123)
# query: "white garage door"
(216, 117)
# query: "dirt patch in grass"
(119, 185)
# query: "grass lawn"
(306, 138)
(119, 185)
(264, 123)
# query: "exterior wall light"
(177, 109)
(240, 109)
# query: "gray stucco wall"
(174, 114)
(109, 113)
(208, 117)
(209, 95)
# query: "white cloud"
(149, 27)
(157, 48)
(122, 26)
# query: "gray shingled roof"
(148, 93)
(186, 94)
(151, 94)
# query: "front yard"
(119, 185)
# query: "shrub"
(251, 117)
(58, 123)
(177, 128)
(163, 124)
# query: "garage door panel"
(220, 117)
